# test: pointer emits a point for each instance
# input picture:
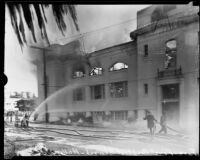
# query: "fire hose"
(170, 128)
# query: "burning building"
(157, 71)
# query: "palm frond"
(21, 25)
(58, 11)
(73, 14)
(38, 14)
(13, 18)
(43, 13)
(28, 19)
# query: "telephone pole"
(45, 86)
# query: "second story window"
(118, 66)
(119, 89)
(96, 71)
(78, 94)
(97, 92)
(146, 50)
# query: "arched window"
(78, 72)
(118, 66)
(96, 71)
(170, 54)
(171, 46)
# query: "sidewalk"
(97, 127)
(136, 143)
(135, 128)
(139, 127)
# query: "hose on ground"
(170, 128)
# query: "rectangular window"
(78, 94)
(119, 115)
(98, 116)
(97, 92)
(119, 89)
(146, 50)
(145, 88)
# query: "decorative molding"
(164, 24)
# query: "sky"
(100, 25)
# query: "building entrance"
(172, 111)
(170, 102)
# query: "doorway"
(170, 103)
(172, 111)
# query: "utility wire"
(80, 36)
(153, 34)
(130, 20)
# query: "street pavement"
(108, 141)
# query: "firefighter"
(25, 121)
(150, 122)
(163, 123)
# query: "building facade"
(105, 89)
(157, 71)
(168, 61)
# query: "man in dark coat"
(25, 121)
(163, 123)
(150, 122)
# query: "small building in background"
(19, 101)
(26, 105)
(10, 104)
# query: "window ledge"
(118, 98)
(98, 75)
(97, 100)
(78, 77)
(170, 100)
(121, 70)
(75, 102)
